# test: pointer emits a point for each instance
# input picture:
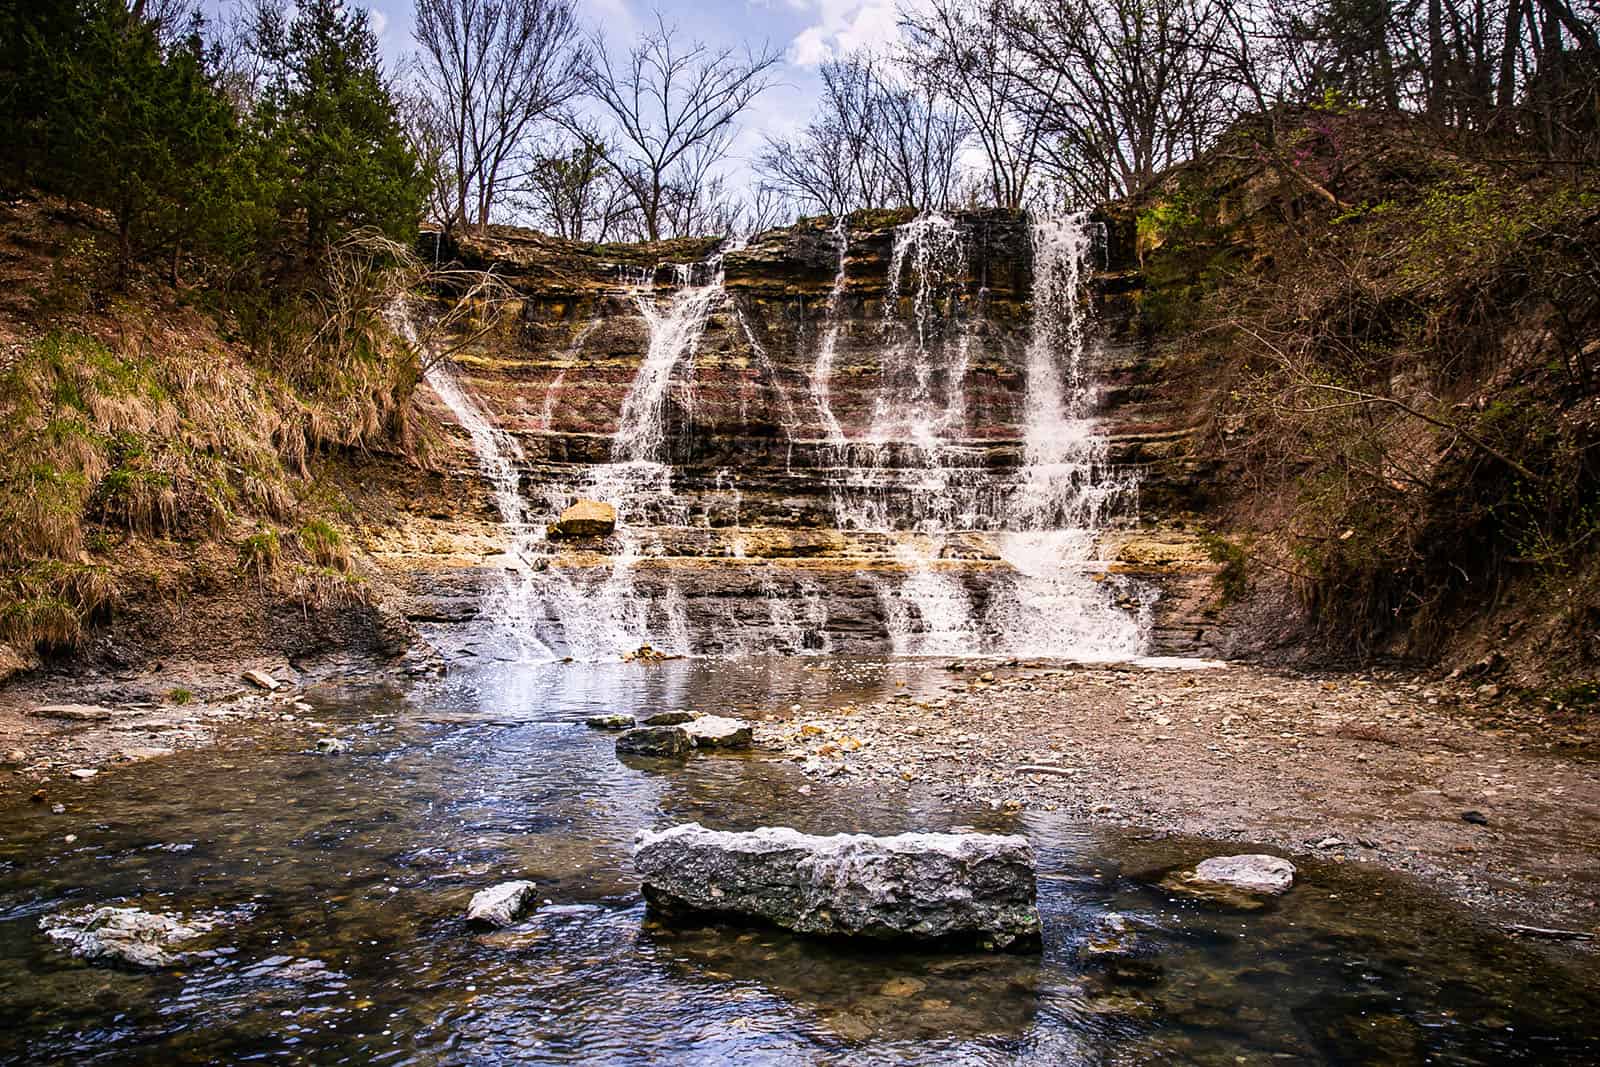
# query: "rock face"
(750, 545)
(973, 888)
(122, 935)
(499, 905)
(586, 518)
(1254, 873)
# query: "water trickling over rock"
(847, 436)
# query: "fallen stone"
(655, 741)
(262, 680)
(717, 731)
(75, 712)
(16, 758)
(332, 746)
(586, 518)
(83, 774)
(610, 722)
(973, 888)
(499, 905)
(122, 935)
(1254, 873)
(667, 718)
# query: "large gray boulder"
(123, 935)
(969, 888)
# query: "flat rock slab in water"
(708, 731)
(75, 712)
(1250, 875)
(610, 722)
(976, 889)
(123, 935)
(667, 718)
(499, 905)
(718, 731)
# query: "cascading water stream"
(914, 477)
(500, 459)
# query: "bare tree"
(673, 104)
(569, 191)
(872, 143)
(1122, 89)
(493, 69)
(962, 49)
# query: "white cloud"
(844, 26)
(378, 21)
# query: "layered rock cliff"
(850, 415)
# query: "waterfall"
(608, 612)
(500, 460)
(1061, 600)
(914, 476)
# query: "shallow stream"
(345, 879)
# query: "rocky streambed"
(338, 888)
(1493, 803)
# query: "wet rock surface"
(975, 888)
(123, 935)
(586, 518)
(1256, 873)
(500, 905)
(654, 741)
(610, 722)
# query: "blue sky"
(805, 31)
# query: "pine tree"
(331, 130)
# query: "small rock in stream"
(655, 741)
(610, 722)
(332, 746)
(123, 935)
(971, 888)
(499, 905)
(717, 731)
(667, 718)
(1253, 873)
(262, 680)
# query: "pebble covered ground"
(1495, 803)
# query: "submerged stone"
(332, 746)
(122, 935)
(655, 741)
(499, 905)
(974, 889)
(586, 518)
(610, 722)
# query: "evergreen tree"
(330, 129)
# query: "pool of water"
(344, 880)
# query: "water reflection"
(349, 877)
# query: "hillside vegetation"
(1391, 339)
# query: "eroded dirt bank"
(1495, 806)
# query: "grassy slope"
(1458, 515)
(163, 492)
